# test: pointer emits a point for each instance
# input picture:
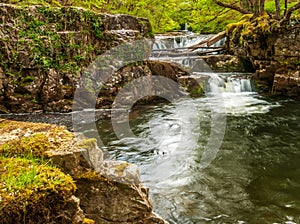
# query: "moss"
(9, 125)
(35, 145)
(88, 221)
(89, 143)
(36, 30)
(30, 192)
(250, 27)
(35, 139)
(89, 175)
(197, 92)
(120, 168)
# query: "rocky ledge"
(48, 175)
(44, 51)
(273, 52)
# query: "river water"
(252, 178)
(254, 173)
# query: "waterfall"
(219, 84)
(172, 49)
(182, 41)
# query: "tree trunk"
(256, 8)
(277, 3)
(261, 7)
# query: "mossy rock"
(32, 139)
(32, 191)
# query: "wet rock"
(194, 85)
(120, 171)
(227, 63)
(287, 83)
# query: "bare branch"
(234, 7)
(294, 27)
(289, 13)
(277, 3)
(285, 6)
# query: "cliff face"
(273, 51)
(43, 52)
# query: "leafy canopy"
(205, 16)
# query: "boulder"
(107, 191)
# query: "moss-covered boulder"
(34, 192)
(272, 49)
(48, 175)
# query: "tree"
(257, 8)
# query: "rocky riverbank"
(272, 50)
(65, 180)
(48, 175)
(44, 51)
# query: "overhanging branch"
(234, 7)
(289, 13)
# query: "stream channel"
(253, 177)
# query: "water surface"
(253, 179)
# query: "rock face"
(43, 52)
(146, 69)
(273, 52)
(227, 63)
(110, 192)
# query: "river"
(253, 174)
(254, 177)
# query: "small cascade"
(231, 84)
(178, 42)
(173, 48)
(182, 41)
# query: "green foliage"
(199, 15)
(31, 191)
(203, 16)
(271, 8)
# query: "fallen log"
(209, 41)
(185, 53)
(183, 48)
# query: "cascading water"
(217, 82)
(182, 41)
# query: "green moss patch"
(35, 145)
(33, 139)
(32, 191)
(251, 27)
